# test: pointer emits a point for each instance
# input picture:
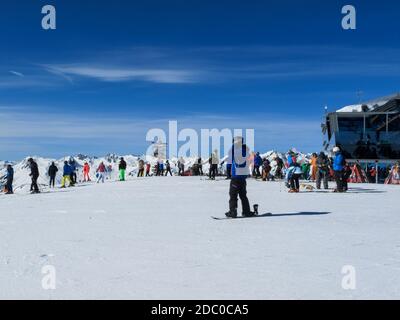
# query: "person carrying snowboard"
(238, 157)
(34, 175)
(52, 172)
(122, 169)
(9, 180)
(86, 170)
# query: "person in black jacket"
(122, 169)
(322, 171)
(52, 174)
(168, 168)
(34, 175)
(9, 179)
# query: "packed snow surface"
(153, 238)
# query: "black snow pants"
(340, 185)
(256, 171)
(34, 186)
(295, 182)
(52, 181)
(213, 171)
(238, 187)
(9, 186)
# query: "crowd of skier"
(319, 168)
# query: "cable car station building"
(368, 132)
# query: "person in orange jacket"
(314, 166)
(86, 170)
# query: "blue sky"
(114, 69)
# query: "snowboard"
(241, 217)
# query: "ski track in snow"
(154, 239)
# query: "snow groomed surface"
(153, 238)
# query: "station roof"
(388, 103)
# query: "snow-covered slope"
(153, 238)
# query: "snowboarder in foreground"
(9, 179)
(122, 169)
(34, 175)
(238, 157)
(52, 174)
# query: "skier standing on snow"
(200, 166)
(338, 168)
(257, 164)
(313, 167)
(52, 174)
(67, 171)
(148, 167)
(213, 161)
(293, 174)
(181, 166)
(168, 168)
(72, 164)
(101, 170)
(9, 179)
(266, 169)
(122, 169)
(323, 170)
(86, 170)
(34, 175)
(140, 168)
(238, 157)
(346, 175)
(161, 167)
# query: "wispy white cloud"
(16, 73)
(120, 74)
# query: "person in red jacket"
(148, 166)
(101, 171)
(86, 170)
